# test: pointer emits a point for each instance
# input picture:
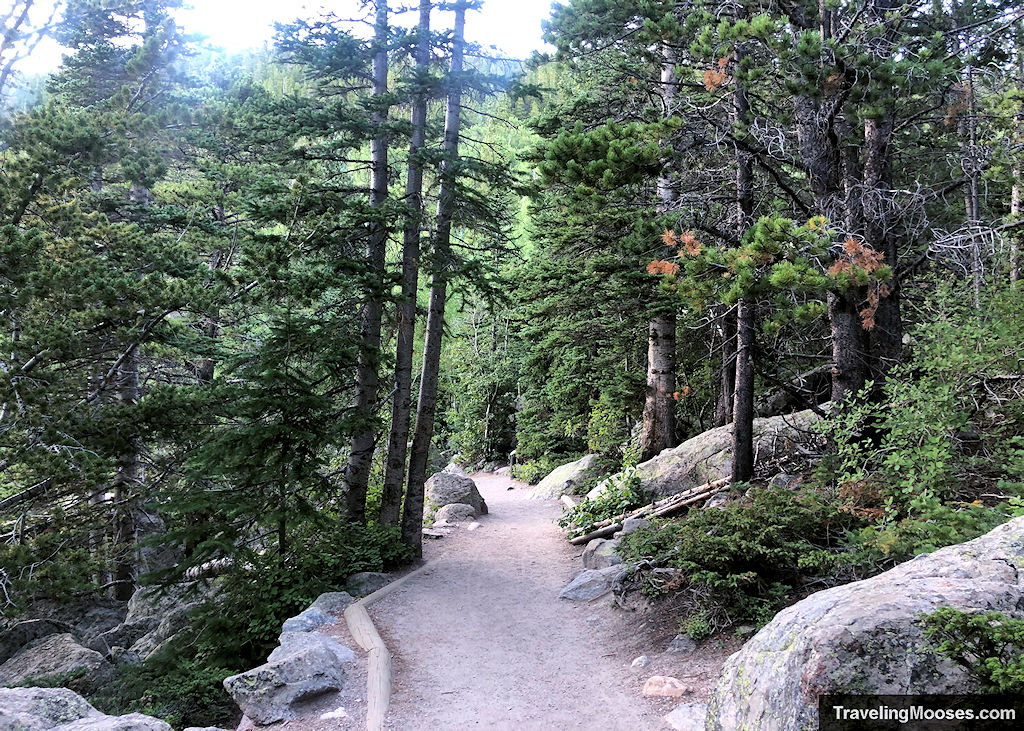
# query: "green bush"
(182, 692)
(947, 435)
(742, 562)
(988, 644)
(622, 495)
(534, 470)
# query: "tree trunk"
(398, 440)
(125, 480)
(658, 431)
(746, 313)
(357, 473)
(743, 408)
(849, 346)
(659, 425)
(727, 374)
(412, 517)
(1015, 215)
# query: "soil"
(481, 639)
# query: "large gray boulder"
(20, 634)
(306, 664)
(59, 709)
(54, 656)
(565, 477)
(866, 637)
(708, 457)
(445, 488)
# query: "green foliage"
(988, 644)
(532, 471)
(179, 690)
(622, 494)
(948, 430)
(734, 565)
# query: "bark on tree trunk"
(398, 439)
(125, 480)
(658, 431)
(746, 313)
(412, 517)
(743, 408)
(849, 346)
(727, 375)
(357, 473)
(659, 420)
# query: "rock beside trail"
(57, 655)
(59, 709)
(565, 477)
(664, 686)
(631, 525)
(455, 513)
(446, 488)
(601, 553)
(332, 602)
(367, 582)
(454, 468)
(266, 693)
(867, 638)
(592, 583)
(687, 717)
(708, 457)
(307, 621)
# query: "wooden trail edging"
(378, 675)
(656, 509)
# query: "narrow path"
(481, 639)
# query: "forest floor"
(481, 639)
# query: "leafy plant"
(988, 644)
(622, 494)
(733, 565)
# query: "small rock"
(330, 715)
(454, 468)
(205, 728)
(307, 621)
(434, 534)
(591, 584)
(629, 525)
(333, 602)
(745, 629)
(641, 662)
(717, 502)
(664, 686)
(455, 513)
(688, 717)
(786, 482)
(472, 526)
(682, 645)
(601, 553)
(367, 582)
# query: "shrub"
(734, 565)
(622, 495)
(988, 644)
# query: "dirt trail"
(481, 639)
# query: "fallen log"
(656, 510)
(658, 504)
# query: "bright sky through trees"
(513, 26)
